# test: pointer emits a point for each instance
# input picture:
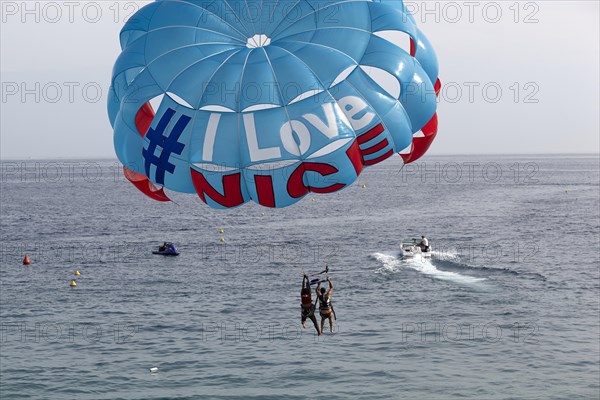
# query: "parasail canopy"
(269, 100)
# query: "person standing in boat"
(325, 307)
(308, 308)
(424, 245)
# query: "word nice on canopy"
(268, 100)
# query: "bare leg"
(322, 324)
(331, 322)
(314, 320)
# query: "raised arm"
(330, 287)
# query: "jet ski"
(166, 249)
(411, 249)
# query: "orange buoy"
(26, 260)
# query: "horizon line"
(114, 158)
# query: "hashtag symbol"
(168, 144)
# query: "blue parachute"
(268, 100)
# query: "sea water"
(508, 307)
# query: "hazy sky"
(57, 58)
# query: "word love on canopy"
(269, 100)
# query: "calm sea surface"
(507, 308)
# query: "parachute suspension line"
(194, 210)
(402, 167)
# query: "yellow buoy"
(77, 273)
(73, 283)
(222, 240)
(221, 230)
(26, 260)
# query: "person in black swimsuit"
(307, 306)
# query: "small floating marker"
(26, 260)
(154, 370)
(222, 240)
(73, 283)
(77, 273)
(262, 214)
(221, 230)
(313, 200)
(364, 186)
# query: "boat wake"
(452, 260)
(392, 263)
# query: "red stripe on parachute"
(145, 186)
(438, 87)
(420, 145)
(143, 118)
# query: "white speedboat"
(411, 249)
